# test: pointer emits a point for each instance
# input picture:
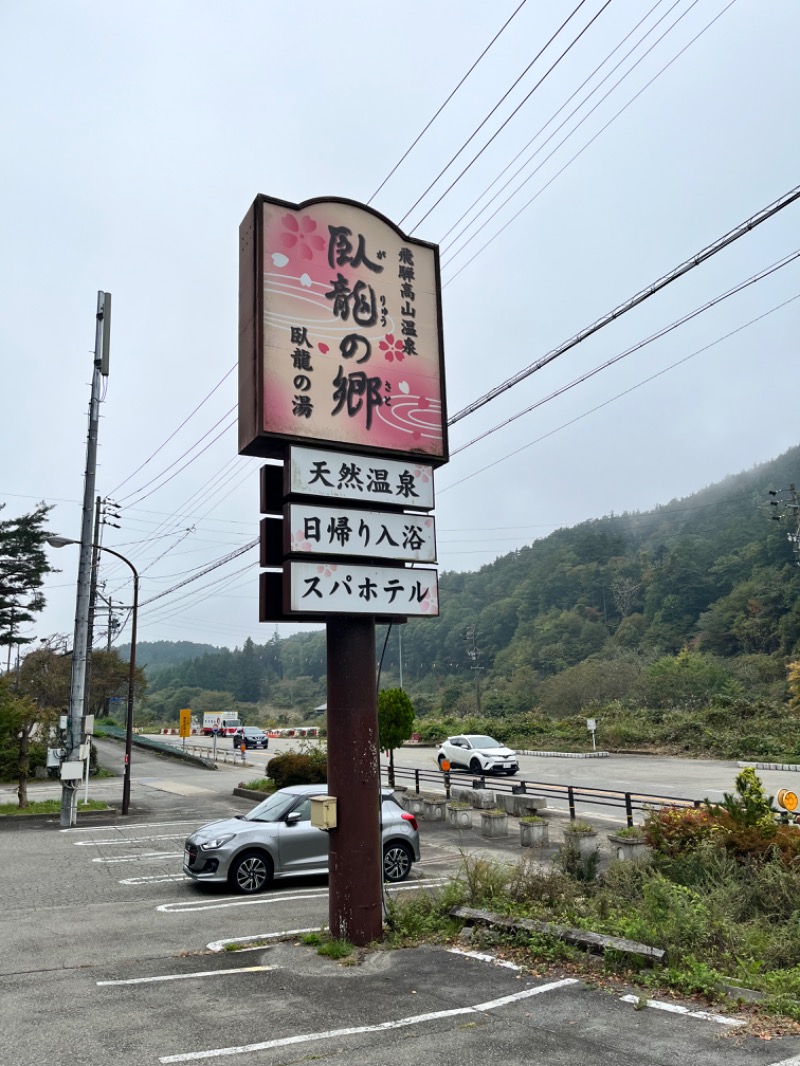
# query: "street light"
(62, 542)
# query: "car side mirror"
(292, 818)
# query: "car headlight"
(217, 842)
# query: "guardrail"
(572, 795)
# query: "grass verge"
(52, 806)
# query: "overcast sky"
(136, 135)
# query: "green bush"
(298, 768)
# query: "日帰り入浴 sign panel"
(340, 333)
(317, 529)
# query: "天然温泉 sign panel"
(340, 333)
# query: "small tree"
(19, 720)
(395, 722)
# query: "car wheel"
(251, 872)
(475, 767)
(510, 773)
(397, 860)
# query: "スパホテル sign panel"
(347, 588)
(340, 333)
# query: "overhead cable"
(425, 129)
(516, 110)
(661, 283)
(206, 570)
(477, 129)
(577, 155)
(180, 427)
(443, 246)
(618, 396)
(752, 280)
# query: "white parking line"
(190, 906)
(138, 825)
(186, 976)
(139, 858)
(220, 945)
(795, 1061)
(154, 880)
(481, 957)
(400, 1023)
(126, 840)
(675, 1008)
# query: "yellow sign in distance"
(185, 722)
(787, 799)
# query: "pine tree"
(23, 566)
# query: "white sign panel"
(378, 481)
(317, 529)
(345, 588)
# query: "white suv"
(478, 754)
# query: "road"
(694, 779)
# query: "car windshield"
(484, 742)
(271, 809)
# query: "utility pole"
(472, 637)
(787, 509)
(80, 643)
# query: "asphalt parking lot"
(109, 956)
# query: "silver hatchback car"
(277, 839)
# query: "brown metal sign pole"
(355, 859)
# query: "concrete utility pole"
(80, 643)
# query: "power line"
(752, 280)
(425, 129)
(612, 316)
(506, 121)
(180, 427)
(555, 115)
(201, 573)
(183, 456)
(499, 102)
(569, 162)
(619, 396)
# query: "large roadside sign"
(340, 332)
(185, 722)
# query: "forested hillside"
(696, 600)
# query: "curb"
(565, 754)
(21, 821)
(784, 766)
(250, 793)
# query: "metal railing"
(629, 802)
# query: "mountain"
(584, 614)
(156, 654)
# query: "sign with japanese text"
(185, 722)
(339, 333)
(320, 530)
(380, 482)
(347, 588)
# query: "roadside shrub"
(749, 806)
(678, 830)
(539, 888)
(298, 768)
